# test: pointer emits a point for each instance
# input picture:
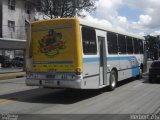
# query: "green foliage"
(152, 46)
(65, 8)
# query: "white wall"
(18, 15)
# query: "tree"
(65, 8)
(152, 44)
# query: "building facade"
(13, 14)
(12, 18)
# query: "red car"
(154, 71)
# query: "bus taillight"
(78, 71)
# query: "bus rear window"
(89, 41)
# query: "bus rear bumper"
(76, 84)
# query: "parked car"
(5, 61)
(17, 62)
(149, 59)
(154, 71)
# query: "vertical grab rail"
(29, 62)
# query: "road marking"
(4, 101)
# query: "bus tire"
(138, 77)
(141, 73)
(112, 80)
(150, 80)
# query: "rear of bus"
(53, 57)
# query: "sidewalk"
(11, 73)
(5, 76)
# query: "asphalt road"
(130, 97)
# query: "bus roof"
(55, 19)
(95, 25)
(105, 28)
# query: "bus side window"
(89, 41)
(112, 43)
(122, 44)
(136, 46)
(141, 46)
(129, 45)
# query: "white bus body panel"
(91, 74)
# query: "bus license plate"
(50, 76)
(49, 81)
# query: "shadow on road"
(51, 96)
(154, 82)
(65, 96)
(125, 82)
(55, 96)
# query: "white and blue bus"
(68, 53)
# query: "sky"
(134, 16)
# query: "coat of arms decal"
(51, 43)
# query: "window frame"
(136, 46)
(129, 51)
(11, 4)
(122, 49)
(111, 51)
(95, 50)
(11, 25)
(27, 8)
(141, 47)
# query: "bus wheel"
(138, 77)
(113, 80)
(150, 80)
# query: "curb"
(12, 75)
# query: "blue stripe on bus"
(135, 67)
(97, 59)
(119, 58)
(129, 58)
(86, 60)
